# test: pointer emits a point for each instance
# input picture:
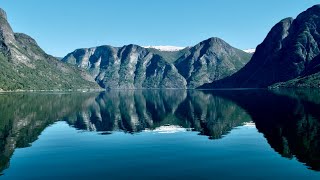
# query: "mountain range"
(289, 57)
(135, 67)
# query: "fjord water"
(161, 134)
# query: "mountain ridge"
(127, 67)
(149, 67)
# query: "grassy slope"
(45, 76)
(43, 72)
(311, 81)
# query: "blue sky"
(60, 26)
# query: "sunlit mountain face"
(288, 120)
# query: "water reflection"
(135, 111)
(24, 116)
(289, 120)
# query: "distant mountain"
(134, 67)
(290, 50)
(128, 67)
(209, 61)
(25, 66)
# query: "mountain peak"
(214, 40)
(6, 33)
(3, 14)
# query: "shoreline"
(55, 90)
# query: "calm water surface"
(155, 134)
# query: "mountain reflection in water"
(289, 120)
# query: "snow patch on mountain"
(250, 50)
(165, 48)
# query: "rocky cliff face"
(289, 51)
(3, 14)
(6, 33)
(134, 67)
(210, 60)
(25, 66)
(128, 67)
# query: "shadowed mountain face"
(135, 67)
(289, 120)
(290, 50)
(25, 66)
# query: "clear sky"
(60, 26)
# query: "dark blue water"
(161, 135)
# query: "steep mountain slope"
(210, 60)
(289, 51)
(132, 66)
(25, 66)
(128, 67)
